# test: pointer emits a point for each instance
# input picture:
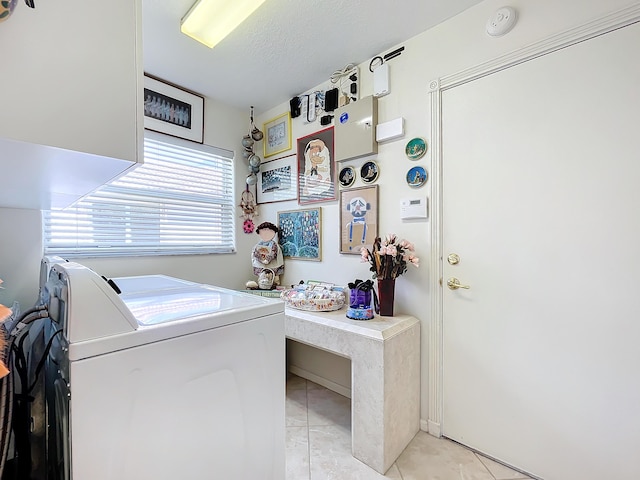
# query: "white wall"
(20, 254)
(455, 45)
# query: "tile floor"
(319, 445)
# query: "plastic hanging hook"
(255, 133)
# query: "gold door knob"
(453, 283)
(453, 259)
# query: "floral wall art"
(300, 234)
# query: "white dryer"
(168, 379)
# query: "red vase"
(386, 292)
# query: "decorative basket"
(314, 298)
(265, 279)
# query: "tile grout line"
(517, 472)
(306, 409)
(482, 463)
(399, 471)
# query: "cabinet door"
(72, 76)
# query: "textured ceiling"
(285, 48)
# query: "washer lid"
(143, 283)
(183, 302)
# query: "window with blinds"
(180, 201)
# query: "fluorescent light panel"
(209, 21)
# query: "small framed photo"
(301, 234)
(277, 180)
(277, 135)
(316, 168)
(358, 218)
(172, 110)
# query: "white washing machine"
(168, 379)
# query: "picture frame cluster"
(310, 176)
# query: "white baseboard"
(344, 391)
(433, 428)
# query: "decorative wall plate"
(347, 176)
(416, 148)
(369, 172)
(416, 177)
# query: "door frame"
(618, 19)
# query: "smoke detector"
(502, 21)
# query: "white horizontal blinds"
(180, 201)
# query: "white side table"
(385, 376)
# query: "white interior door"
(541, 199)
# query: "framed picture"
(358, 218)
(316, 168)
(301, 234)
(277, 180)
(173, 111)
(277, 135)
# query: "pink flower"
(248, 226)
(389, 259)
(407, 245)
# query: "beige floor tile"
(296, 408)
(314, 386)
(297, 453)
(292, 379)
(319, 445)
(326, 407)
(331, 459)
(295, 382)
(499, 471)
(430, 458)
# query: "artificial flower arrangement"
(389, 259)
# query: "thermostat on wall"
(411, 208)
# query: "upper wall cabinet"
(70, 108)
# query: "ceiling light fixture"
(209, 21)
